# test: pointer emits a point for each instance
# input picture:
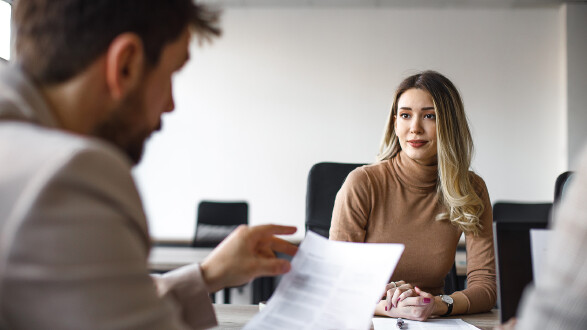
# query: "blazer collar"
(20, 99)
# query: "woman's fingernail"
(386, 308)
(426, 300)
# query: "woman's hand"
(413, 304)
(396, 291)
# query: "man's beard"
(124, 127)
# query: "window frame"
(2, 59)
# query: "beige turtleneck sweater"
(395, 201)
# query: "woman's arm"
(481, 292)
(352, 208)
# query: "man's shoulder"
(33, 156)
(86, 175)
(34, 145)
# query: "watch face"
(447, 299)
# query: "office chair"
(561, 184)
(324, 181)
(513, 262)
(215, 221)
(452, 282)
(521, 212)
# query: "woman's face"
(415, 126)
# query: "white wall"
(576, 39)
(286, 88)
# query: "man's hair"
(454, 148)
(57, 39)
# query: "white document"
(332, 285)
(539, 248)
(386, 323)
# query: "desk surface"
(164, 258)
(236, 316)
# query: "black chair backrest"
(324, 181)
(215, 220)
(521, 212)
(513, 263)
(561, 184)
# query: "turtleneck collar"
(413, 174)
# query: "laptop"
(513, 263)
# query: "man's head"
(55, 40)
(127, 48)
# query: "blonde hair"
(454, 149)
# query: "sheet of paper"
(332, 285)
(539, 247)
(386, 323)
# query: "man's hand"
(248, 252)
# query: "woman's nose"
(415, 126)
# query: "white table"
(236, 316)
(165, 258)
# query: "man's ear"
(125, 62)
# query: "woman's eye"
(404, 115)
(430, 116)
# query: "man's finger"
(283, 246)
(272, 267)
(267, 230)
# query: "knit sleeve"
(481, 291)
(352, 208)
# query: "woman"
(421, 193)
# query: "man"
(89, 83)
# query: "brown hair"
(56, 40)
(455, 148)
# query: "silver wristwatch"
(448, 301)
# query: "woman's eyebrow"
(425, 108)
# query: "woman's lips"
(417, 143)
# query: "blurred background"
(293, 83)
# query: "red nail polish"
(426, 300)
(386, 308)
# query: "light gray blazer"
(74, 240)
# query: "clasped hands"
(401, 299)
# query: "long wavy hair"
(455, 189)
